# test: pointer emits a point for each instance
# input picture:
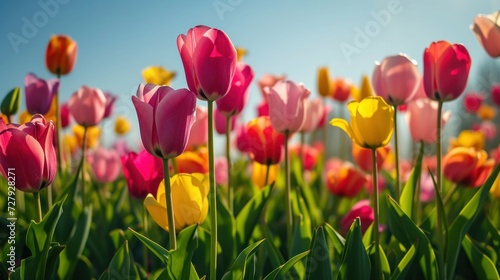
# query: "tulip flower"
(242, 141)
(162, 110)
(341, 89)
(495, 94)
(472, 102)
(261, 171)
(308, 155)
(69, 145)
(469, 139)
(39, 93)
(158, 75)
(287, 106)
(209, 60)
(60, 56)
(234, 101)
(487, 31)
(324, 82)
(240, 53)
(92, 137)
(143, 173)
(110, 103)
(364, 91)
(467, 166)
(446, 69)
(486, 112)
(221, 122)
(28, 150)
(106, 165)
(193, 161)
(487, 128)
(314, 112)
(396, 79)
(65, 115)
(371, 124)
(10, 103)
(363, 157)
(189, 192)
(263, 108)
(264, 143)
(87, 106)
(362, 210)
(122, 126)
(346, 181)
(421, 117)
(221, 170)
(268, 80)
(199, 130)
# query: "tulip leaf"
(407, 233)
(355, 260)
(404, 265)
(162, 253)
(337, 239)
(483, 266)
(122, 265)
(249, 216)
(281, 271)
(302, 232)
(10, 103)
(117, 237)
(226, 231)
(187, 242)
(318, 264)
(408, 194)
(274, 253)
(39, 238)
(238, 268)
(465, 219)
(385, 268)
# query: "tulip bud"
(11, 102)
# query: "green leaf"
(483, 266)
(162, 253)
(404, 265)
(10, 103)
(355, 260)
(117, 237)
(384, 263)
(408, 233)
(408, 194)
(281, 271)
(226, 234)
(274, 254)
(318, 265)
(465, 219)
(122, 265)
(337, 239)
(237, 270)
(301, 237)
(53, 260)
(180, 261)
(249, 216)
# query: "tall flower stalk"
(230, 189)
(170, 206)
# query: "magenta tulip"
(106, 164)
(495, 94)
(421, 117)
(362, 210)
(446, 70)
(199, 131)
(110, 103)
(487, 31)
(209, 60)
(286, 106)
(234, 101)
(143, 173)
(28, 152)
(39, 93)
(396, 79)
(65, 115)
(221, 122)
(87, 106)
(165, 118)
(242, 141)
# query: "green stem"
(58, 130)
(418, 206)
(230, 190)
(288, 210)
(38, 207)
(376, 234)
(213, 193)
(396, 150)
(266, 180)
(49, 196)
(146, 233)
(170, 206)
(9, 121)
(174, 166)
(82, 170)
(301, 156)
(441, 238)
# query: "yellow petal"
(157, 211)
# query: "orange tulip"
(347, 181)
(193, 161)
(467, 166)
(60, 56)
(363, 157)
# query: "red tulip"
(287, 106)
(467, 166)
(234, 101)
(341, 89)
(28, 152)
(60, 56)
(363, 157)
(263, 108)
(199, 131)
(106, 165)
(347, 181)
(362, 210)
(487, 32)
(472, 101)
(495, 94)
(242, 141)
(421, 117)
(165, 118)
(265, 143)
(396, 79)
(39, 94)
(310, 155)
(87, 106)
(143, 173)
(446, 69)
(209, 60)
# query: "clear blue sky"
(117, 39)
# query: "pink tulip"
(28, 152)
(495, 94)
(421, 117)
(110, 103)
(427, 192)
(209, 60)
(472, 101)
(396, 79)
(287, 106)
(143, 173)
(487, 32)
(87, 106)
(199, 131)
(268, 80)
(221, 121)
(234, 101)
(106, 164)
(314, 112)
(165, 118)
(65, 115)
(362, 210)
(488, 128)
(39, 93)
(221, 170)
(446, 70)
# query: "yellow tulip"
(158, 75)
(495, 189)
(324, 82)
(70, 144)
(189, 196)
(241, 53)
(365, 91)
(122, 125)
(259, 174)
(469, 139)
(372, 122)
(93, 134)
(486, 112)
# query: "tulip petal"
(146, 125)
(453, 71)
(344, 125)
(157, 210)
(488, 34)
